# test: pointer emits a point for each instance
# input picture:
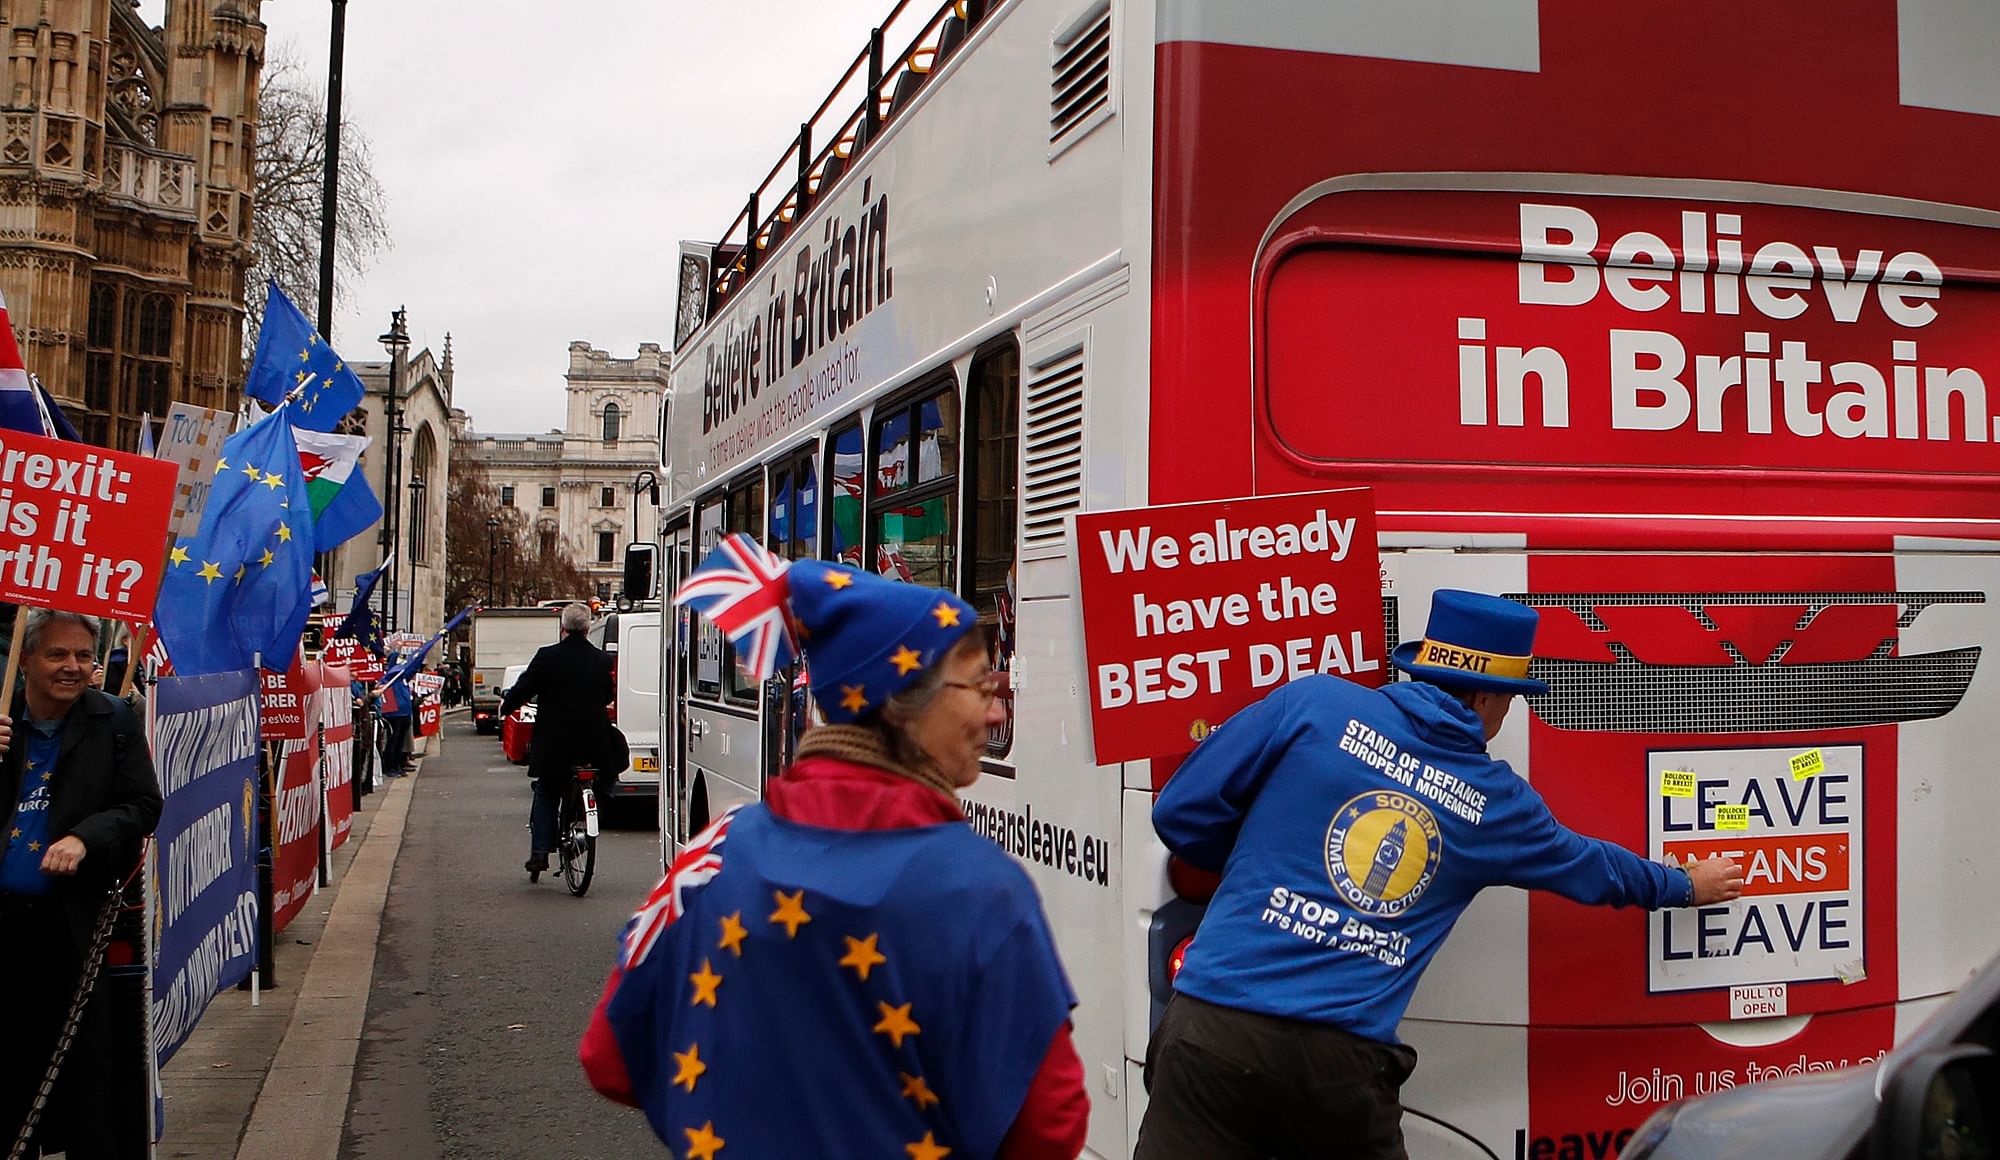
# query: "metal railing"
(869, 95)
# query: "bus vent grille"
(1052, 464)
(1081, 82)
(1877, 683)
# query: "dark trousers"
(396, 747)
(39, 972)
(549, 793)
(1235, 1085)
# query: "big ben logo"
(1382, 850)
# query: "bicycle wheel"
(579, 848)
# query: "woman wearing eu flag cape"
(845, 968)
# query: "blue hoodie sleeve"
(1203, 805)
(1540, 853)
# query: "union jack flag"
(743, 589)
(701, 861)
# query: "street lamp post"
(396, 342)
(506, 569)
(492, 529)
(419, 527)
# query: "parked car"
(1935, 1097)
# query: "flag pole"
(14, 654)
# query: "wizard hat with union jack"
(868, 638)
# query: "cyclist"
(571, 681)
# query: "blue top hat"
(866, 638)
(1474, 642)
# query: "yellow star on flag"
(906, 659)
(733, 933)
(837, 580)
(862, 955)
(947, 616)
(305, 356)
(703, 1143)
(221, 465)
(705, 982)
(285, 533)
(266, 559)
(339, 367)
(47, 774)
(791, 911)
(34, 846)
(17, 831)
(240, 570)
(273, 481)
(209, 571)
(927, 1149)
(178, 556)
(302, 378)
(851, 698)
(688, 1066)
(914, 1088)
(896, 1022)
(251, 471)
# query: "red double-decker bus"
(1673, 321)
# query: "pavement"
(430, 999)
(267, 1075)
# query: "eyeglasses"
(988, 687)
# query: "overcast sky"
(543, 161)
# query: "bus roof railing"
(872, 96)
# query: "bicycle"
(576, 832)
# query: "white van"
(633, 641)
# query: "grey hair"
(41, 618)
(906, 706)
(576, 617)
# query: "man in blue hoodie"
(1374, 817)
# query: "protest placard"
(191, 439)
(353, 656)
(295, 863)
(430, 717)
(82, 529)
(336, 718)
(289, 702)
(1192, 611)
(204, 744)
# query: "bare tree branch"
(291, 157)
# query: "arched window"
(422, 477)
(611, 417)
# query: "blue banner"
(205, 878)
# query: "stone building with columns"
(125, 202)
(575, 486)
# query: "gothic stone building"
(125, 194)
(575, 486)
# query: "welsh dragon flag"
(343, 505)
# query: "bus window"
(913, 504)
(795, 508)
(794, 536)
(844, 473)
(993, 450)
(708, 638)
(743, 513)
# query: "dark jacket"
(104, 792)
(571, 683)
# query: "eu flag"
(291, 356)
(242, 584)
(804, 991)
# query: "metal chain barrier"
(107, 917)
